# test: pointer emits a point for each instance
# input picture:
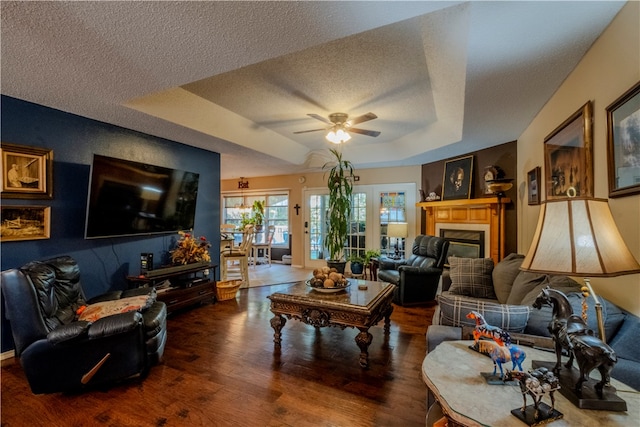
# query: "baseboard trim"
(7, 355)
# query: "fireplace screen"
(464, 243)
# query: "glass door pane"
(357, 238)
(393, 208)
(315, 229)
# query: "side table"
(452, 372)
(373, 269)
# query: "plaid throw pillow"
(472, 277)
(454, 309)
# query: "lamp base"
(587, 399)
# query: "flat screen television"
(130, 198)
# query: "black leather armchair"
(416, 277)
(60, 353)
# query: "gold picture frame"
(568, 158)
(27, 172)
(623, 143)
(25, 223)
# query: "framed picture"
(568, 157)
(623, 143)
(533, 184)
(26, 172)
(456, 182)
(25, 223)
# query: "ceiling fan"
(339, 126)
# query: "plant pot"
(338, 265)
(357, 267)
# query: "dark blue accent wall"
(104, 263)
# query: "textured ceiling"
(239, 78)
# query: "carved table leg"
(387, 319)
(363, 339)
(277, 323)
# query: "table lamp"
(398, 230)
(578, 237)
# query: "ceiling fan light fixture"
(338, 136)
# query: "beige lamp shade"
(397, 229)
(578, 237)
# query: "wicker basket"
(227, 290)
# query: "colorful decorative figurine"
(483, 329)
(536, 384)
(504, 354)
(499, 349)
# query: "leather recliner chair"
(60, 353)
(416, 277)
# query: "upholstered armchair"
(64, 342)
(416, 277)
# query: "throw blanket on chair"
(93, 312)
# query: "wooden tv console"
(187, 285)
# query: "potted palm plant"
(257, 211)
(340, 187)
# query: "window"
(236, 208)
(392, 209)
(357, 241)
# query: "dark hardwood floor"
(220, 369)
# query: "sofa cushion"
(613, 316)
(503, 275)
(524, 283)
(564, 284)
(625, 342)
(454, 309)
(471, 277)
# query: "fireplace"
(469, 215)
(464, 243)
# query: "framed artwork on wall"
(533, 185)
(26, 172)
(623, 143)
(456, 181)
(568, 158)
(25, 223)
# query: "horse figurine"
(483, 329)
(572, 333)
(503, 354)
(536, 384)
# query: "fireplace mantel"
(487, 211)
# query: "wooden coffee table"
(352, 308)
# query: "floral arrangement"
(189, 249)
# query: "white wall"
(609, 69)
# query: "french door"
(372, 208)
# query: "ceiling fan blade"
(311, 130)
(364, 131)
(322, 119)
(362, 118)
